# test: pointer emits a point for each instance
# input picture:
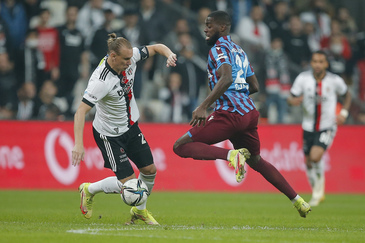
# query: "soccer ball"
(134, 192)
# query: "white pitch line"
(110, 229)
(129, 234)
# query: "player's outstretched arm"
(164, 51)
(79, 123)
(199, 114)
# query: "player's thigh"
(114, 154)
(322, 140)
(248, 139)
(218, 128)
(316, 153)
(138, 149)
(246, 135)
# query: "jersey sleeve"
(95, 91)
(221, 55)
(297, 88)
(140, 53)
(341, 87)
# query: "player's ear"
(112, 54)
(222, 27)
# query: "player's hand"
(295, 100)
(199, 117)
(171, 60)
(78, 154)
(340, 119)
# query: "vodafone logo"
(68, 175)
(225, 172)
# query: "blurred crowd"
(49, 48)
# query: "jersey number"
(142, 138)
(240, 82)
(326, 137)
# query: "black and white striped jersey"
(319, 99)
(112, 94)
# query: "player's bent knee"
(179, 144)
(176, 145)
(149, 170)
(177, 148)
(253, 161)
(315, 158)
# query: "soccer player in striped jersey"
(115, 126)
(232, 80)
(317, 90)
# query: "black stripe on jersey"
(127, 104)
(103, 74)
(317, 106)
(87, 102)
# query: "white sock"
(295, 198)
(150, 181)
(229, 154)
(311, 175)
(107, 185)
(318, 188)
(319, 168)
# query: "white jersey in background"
(319, 99)
(112, 93)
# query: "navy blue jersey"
(236, 98)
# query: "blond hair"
(115, 43)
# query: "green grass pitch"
(54, 216)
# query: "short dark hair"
(42, 10)
(321, 52)
(221, 17)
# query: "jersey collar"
(223, 38)
(110, 68)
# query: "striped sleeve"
(221, 56)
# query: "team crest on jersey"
(129, 71)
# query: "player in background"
(317, 91)
(235, 117)
(115, 126)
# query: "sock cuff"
(229, 154)
(295, 198)
(148, 178)
(120, 185)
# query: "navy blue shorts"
(222, 125)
